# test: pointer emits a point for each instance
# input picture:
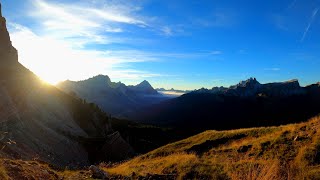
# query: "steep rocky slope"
(38, 121)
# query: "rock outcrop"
(116, 148)
(8, 54)
(97, 173)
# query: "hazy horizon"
(172, 44)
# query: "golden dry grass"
(3, 173)
(179, 162)
(18, 169)
(285, 152)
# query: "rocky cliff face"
(38, 121)
(8, 53)
(286, 88)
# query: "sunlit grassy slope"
(285, 152)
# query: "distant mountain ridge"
(247, 104)
(252, 87)
(116, 98)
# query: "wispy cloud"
(85, 22)
(216, 52)
(167, 31)
(313, 16)
(113, 30)
(219, 18)
(69, 40)
(272, 69)
(47, 55)
(63, 31)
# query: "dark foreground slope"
(248, 104)
(284, 152)
(38, 121)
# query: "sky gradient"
(176, 43)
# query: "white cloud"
(113, 30)
(272, 69)
(87, 22)
(167, 31)
(172, 93)
(313, 16)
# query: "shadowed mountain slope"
(38, 121)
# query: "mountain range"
(247, 104)
(252, 87)
(40, 122)
(115, 98)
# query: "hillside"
(38, 121)
(116, 98)
(284, 152)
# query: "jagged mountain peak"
(248, 82)
(144, 87)
(101, 78)
(145, 84)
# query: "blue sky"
(171, 43)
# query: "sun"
(56, 60)
(50, 79)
